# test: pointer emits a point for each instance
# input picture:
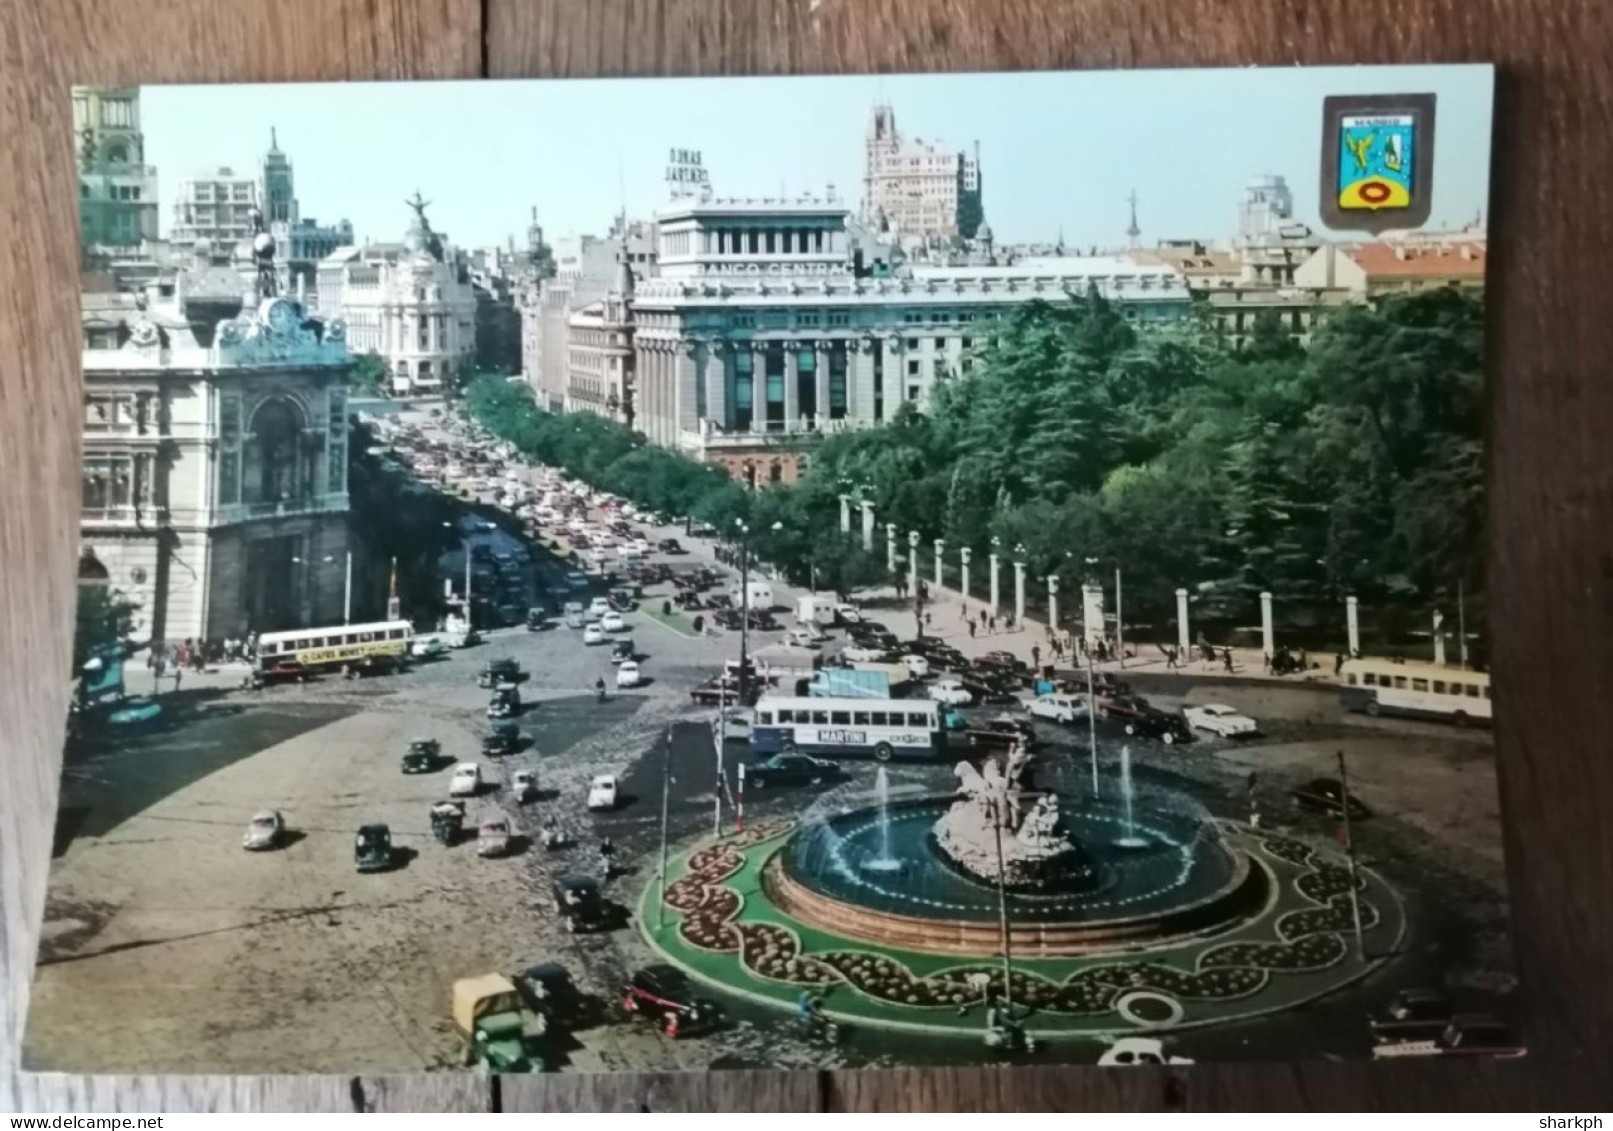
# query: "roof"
(1399, 261)
(214, 282)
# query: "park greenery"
(1080, 442)
(104, 621)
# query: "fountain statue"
(999, 829)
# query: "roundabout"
(1114, 924)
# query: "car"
(467, 780)
(133, 711)
(1326, 795)
(669, 546)
(735, 723)
(952, 692)
(372, 848)
(1162, 725)
(1134, 1051)
(641, 545)
(862, 654)
(504, 738)
(550, 992)
(505, 703)
(422, 756)
(613, 622)
(602, 792)
(1472, 1034)
(664, 994)
(1003, 732)
(991, 691)
(917, 666)
(494, 672)
(1219, 719)
(579, 903)
(536, 619)
(627, 674)
(702, 529)
(621, 650)
(593, 634)
(598, 607)
(1005, 661)
(1058, 707)
(791, 770)
(264, 831)
(803, 637)
(1122, 706)
(427, 647)
(846, 613)
(493, 838)
(524, 786)
(1414, 1015)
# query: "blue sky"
(1058, 149)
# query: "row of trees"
(1351, 467)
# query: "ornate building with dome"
(215, 455)
(409, 303)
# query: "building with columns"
(410, 303)
(762, 328)
(215, 458)
(117, 191)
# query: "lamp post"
(964, 554)
(744, 609)
(1019, 587)
(940, 548)
(913, 561)
(1053, 601)
(995, 567)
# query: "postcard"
(650, 575)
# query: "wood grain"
(1551, 473)
(45, 48)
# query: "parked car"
(1162, 725)
(504, 738)
(863, 654)
(422, 756)
(1006, 661)
(427, 647)
(1218, 718)
(535, 619)
(264, 831)
(613, 622)
(791, 770)
(669, 546)
(991, 691)
(952, 692)
(493, 838)
(1326, 795)
(664, 994)
(1473, 1034)
(1058, 707)
(524, 786)
(1001, 733)
(467, 780)
(917, 666)
(602, 792)
(621, 650)
(627, 674)
(804, 637)
(372, 848)
(551, 993)
(1122, 706)
(598, 607)
(505, 704)
(846, 613)
(1414, 1015)
(494, 672)
(593, 633)
(1134, 1051)
(579, 903)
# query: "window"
(840, 718)
(1472, 690)
(859, 718)
(913, 316)
(784, 716)
(839, 318)
(878, 719)
(1439, 687)
(1400, 682)
(940, 343)
(912, 392)
(912, 343)
(917, 719)
(938, 316)
(1486, 692)
(1419, 685)
(913, 368)
(820, 718)
(967, 342)
(1350, 679)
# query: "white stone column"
(912, 561)
(845, 514)
(860, 380)
(686, 418)
(1019, 593)
(890, 547)
(964, 554)
(1268, 638)
(996, 592)
(820, 374)
(1182, 636)
(1053, 601)
(940, 551)
(1092, 614)
(716, 378)
(1439, 638)
(792, 385)
(1352, 624)
(758, 388)
(868, 527)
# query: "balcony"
(232, 513)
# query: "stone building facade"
(117, 191)
(917, 189)
(215, 464)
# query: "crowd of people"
(172, 661)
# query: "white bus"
(378, 647)
(1421, 690)
(849, 728)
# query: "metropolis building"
(771, 321)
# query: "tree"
(368, 373)
(105, 620)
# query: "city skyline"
(1036, 187)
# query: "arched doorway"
(277, 458)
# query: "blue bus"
(884, 729)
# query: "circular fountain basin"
(1165, 876)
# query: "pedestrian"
(1036, 656)
(926, 619)
(991, 623)
(1266, 656)
(1338, 663)
(179, 671)
(1008, 621)
(1226, 659)
(971, 629)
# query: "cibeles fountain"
(1064, 874)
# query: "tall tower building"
(117, 191)
(1133, 230)
(918, 189)
(1266, 206)
(279, 195)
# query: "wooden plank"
(1551, 489)
(738, 1090)
(45, 48)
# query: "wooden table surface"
(1551, 466)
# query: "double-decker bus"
(1420, 690)
(377, 647)
(849, 728)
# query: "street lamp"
(744, 604)
(347, 595)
